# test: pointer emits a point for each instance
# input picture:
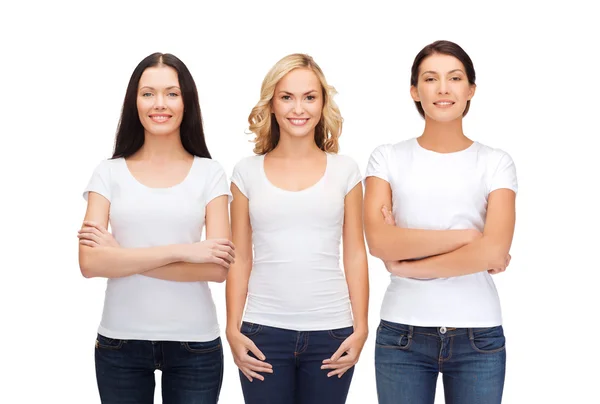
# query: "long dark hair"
(443, 48)
(130, 132)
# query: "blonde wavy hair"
(263, 123)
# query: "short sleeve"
(378, 164)
(354, 175)
(504, 175)
(100, 181)
(238, 178)
(217, 184)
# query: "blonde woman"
(305, 323)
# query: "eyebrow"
(152, 88)
(287, 92)
(451, 71)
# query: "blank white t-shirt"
(144, 308)
(442, 191)
(296, 281)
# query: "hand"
(340, 363)
(240, 347)
(94, 235)
(500, 268)
(214, 251)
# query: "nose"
(298, 109)
(159, 102)
(443, 87)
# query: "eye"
(173, 95)
(146, 94)
(286, 97)
(456, 78)
(311, 97)
(429, 79)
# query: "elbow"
(86, 266)
(221, 275)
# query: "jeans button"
(443, 330)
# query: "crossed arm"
(449, 252)
(101, 256)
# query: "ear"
(472, 89)
(414, 93)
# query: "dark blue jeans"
(192, 372)
(297, 358)
(408, 360)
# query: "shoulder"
(391, 150)
(342, 161)
(248, 163)
(493, 156)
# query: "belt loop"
(411, 330)
(471, 336)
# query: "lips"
(298, 121)
(160, 118)
(444, 103)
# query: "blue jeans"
(408, 360)
(192, 372)
(296, 357)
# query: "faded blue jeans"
(192, 372)
(408, 359)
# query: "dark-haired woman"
(450, 228)
(158, 191)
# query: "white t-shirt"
(140, 307)
(296, 281)
(442, 191)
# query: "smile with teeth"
(298, 121)
(160, 118)
(443, 103)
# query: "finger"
(224, 241)
(254, 349)
(254, 375)
(262, 369)
(339, 372)
(220, 261)
(92, 224)
(88, 229)
(88, 243)
(253, 362)
(225, 255)
(89, 236)
(338, 354)
(343, 361)
(247, 375)
(225, 248)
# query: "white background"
(65, 68)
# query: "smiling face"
(159, 101)
(443, 88)
(298, 103)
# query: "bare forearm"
(357, 279)
(236, 292)
(476, 257)
(116, 262)
(391, 243)
(188, 272)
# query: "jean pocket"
(250, 329)
(108, 343)
(487, 340)
(393, 338)
(202, 347)
(341, 333)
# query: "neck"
(162, 148)
(444, 137)
(296, 147)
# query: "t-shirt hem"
(444, 323)
(317, 326)
(196, 337)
